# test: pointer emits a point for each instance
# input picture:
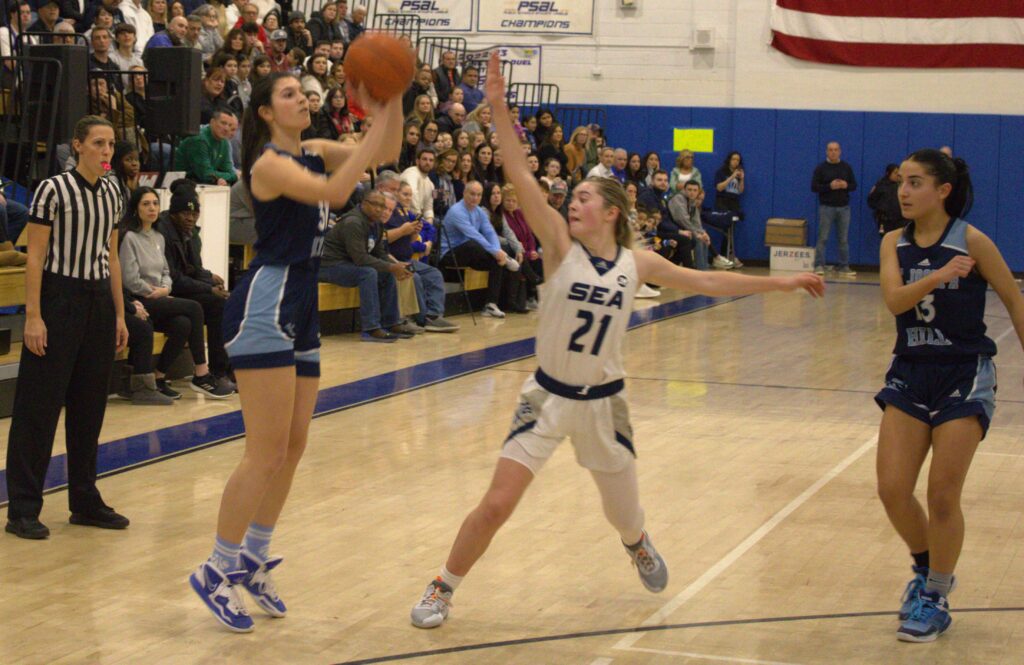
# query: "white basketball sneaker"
(433, 607)
(649, 564)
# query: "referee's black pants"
(74, 373)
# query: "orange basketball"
(381, 63)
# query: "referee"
(74, 322)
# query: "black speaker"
(175, 75)
(73, 100)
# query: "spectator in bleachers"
(476, 139)
(193, 31)
(545, 121)
(883, 199)
(533, 164)
(48, 13)
(147, 276)
(337, 54)
(463, 174)
(141, 389)
(685, 208)
(832, 181)
(315, 77)
(634, 168)
(271, 21)
(632, 190)
(656, 196)
(318, 120)
(91, 11)
(558, 195)
(410, 240)
(446, 76)
(620, 159)
(552, 171)
(513, 296)
(299, 35)
(469, 241)
(99, 58)
(158, 14)
(172, 36)
(417, 177)
(460, 140)
(251, 15)
(65, 34)
(213, 94)
(253, 44)
(125, 168)
(531, 268)
(19, 17)
(444, 185)
(429, 79)
(355, 254)
(483, 163)
(729, 183)
(176, 8)
(234, 43)
(342, 22)
(604, 168)
(137, 15)
(677, 243)
(241, 80)
(13, 219)
(456, 97)
(576, 153)
(242, 217)
(260, 69)
(233, 12)
(410, 144)
(190, 279)
(124, 56)
(480, 120)
(343, 123)
(553, 147)
(324, 26)
(107, 101)
(428, 134)
(356, 23)
(471, 95)
(277, 54)
(412, 100)
(683, 172)
(652, 164)
(206, 157)
(444, 142)
(210, 38)
(452, 121)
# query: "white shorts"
(599, 429)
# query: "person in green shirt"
(206, 157)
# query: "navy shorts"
(936, 393)
(272, 319)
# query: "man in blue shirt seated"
(410, 239)
(472, 95)
(469, 241)
(177, 27)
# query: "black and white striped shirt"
(81, 217)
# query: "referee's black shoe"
(27, 527)
(104, 518)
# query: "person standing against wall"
(74, 323)
(833, 181)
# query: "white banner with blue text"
(549, 17)
(526, 60)
(436, 15)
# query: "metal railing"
(571, 116)
(432, 47)
(120, 97)
(531, 97)
(28, 118)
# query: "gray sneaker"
(441, 324)
(433, 607)
(405, 329)
(650, 565)
(144, 392)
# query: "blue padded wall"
(781, 148)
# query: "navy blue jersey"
(289, 232)
(949, 321)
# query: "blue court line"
(646, 629)
(149, 447)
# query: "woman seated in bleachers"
(146, 275)
(553, 145)
(513, 293)
(125, 167)
(410, 145)
(480, 121)
(552, 171)
(576, 153)
(464, 174)
(444, 184)
(483, 165)
(428, 135)
(460, 140)
(260, 68)
(315, 76)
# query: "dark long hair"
(131, 221)
(121, 150)
(728, 158)
(255, 130)
(954, 171)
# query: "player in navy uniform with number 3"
(577, 392)
(939, 392)
(271, 327)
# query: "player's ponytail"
(255, 130)
(948, 170)
(614, 195)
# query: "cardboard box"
(799, 259)
(781, 231)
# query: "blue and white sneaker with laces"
(649, 564)
(929, 619)
(911, 594)
(218, 590)
(260, 586)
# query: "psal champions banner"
(525, 60)
(552, 17)
(437, 15)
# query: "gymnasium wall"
(780, 112)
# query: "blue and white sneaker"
(259, 585)
(912, 593)
(929, 619)
(218, 591)
(649, 564)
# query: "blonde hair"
(614, 195)
(683, 155)
(508, 190)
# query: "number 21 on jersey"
(588, 323)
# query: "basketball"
(381, 63)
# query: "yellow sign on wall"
(697, 140)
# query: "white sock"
(450, 578)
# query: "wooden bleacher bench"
(12, 286)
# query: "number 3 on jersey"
(588, 323)
(925, 309)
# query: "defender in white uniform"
(577, 391)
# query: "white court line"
(712, 573)
(704, 656)
(1004, 334)
(1000, 454)
(602, 661)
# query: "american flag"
(902, 33)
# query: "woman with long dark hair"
(341, 123)
(883, 199)
(410, 145)
(939, 393)
(553, 146)
(272, 329)
(483, 165)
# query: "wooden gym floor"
(755, 429)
